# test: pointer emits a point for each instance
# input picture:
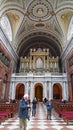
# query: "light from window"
(6, 27)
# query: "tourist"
(34, 104)
(23, 112)
(49, 106)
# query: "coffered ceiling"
(38, 23)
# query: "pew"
(7, 110)
(67, 116)
(65, 110)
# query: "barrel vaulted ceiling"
(38, 23)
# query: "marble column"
(29, 85)
(13, 91)
(3, 91)
(50, 91)
(31, 91)
(64, 90)
(45, 90)
(26, 88)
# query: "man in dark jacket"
(34, 103)
(23, 112)
(49, 106)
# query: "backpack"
(48, 107)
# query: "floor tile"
(39, 122)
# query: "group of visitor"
(25, 108)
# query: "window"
(70, 30)
(6, 27)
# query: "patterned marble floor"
(39, 122)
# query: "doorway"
(57, 91)
(38, 92)
(19, 91)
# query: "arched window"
(70, 29)
(6, 27)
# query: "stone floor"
(39, 122)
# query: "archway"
(38, 92)
(57, 91)
(19, 91)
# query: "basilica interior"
(36, 49)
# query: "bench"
(67, 116)
(7, 110)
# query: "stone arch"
(20, 89)
(38, 91)
(57, 91)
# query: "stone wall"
(5, 72)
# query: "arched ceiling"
(39, 40)
(26, 17)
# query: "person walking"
(34, 104)
(45, 100)
(49, 106)
(23, 112)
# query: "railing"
(39, 73)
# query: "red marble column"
(69, 74)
